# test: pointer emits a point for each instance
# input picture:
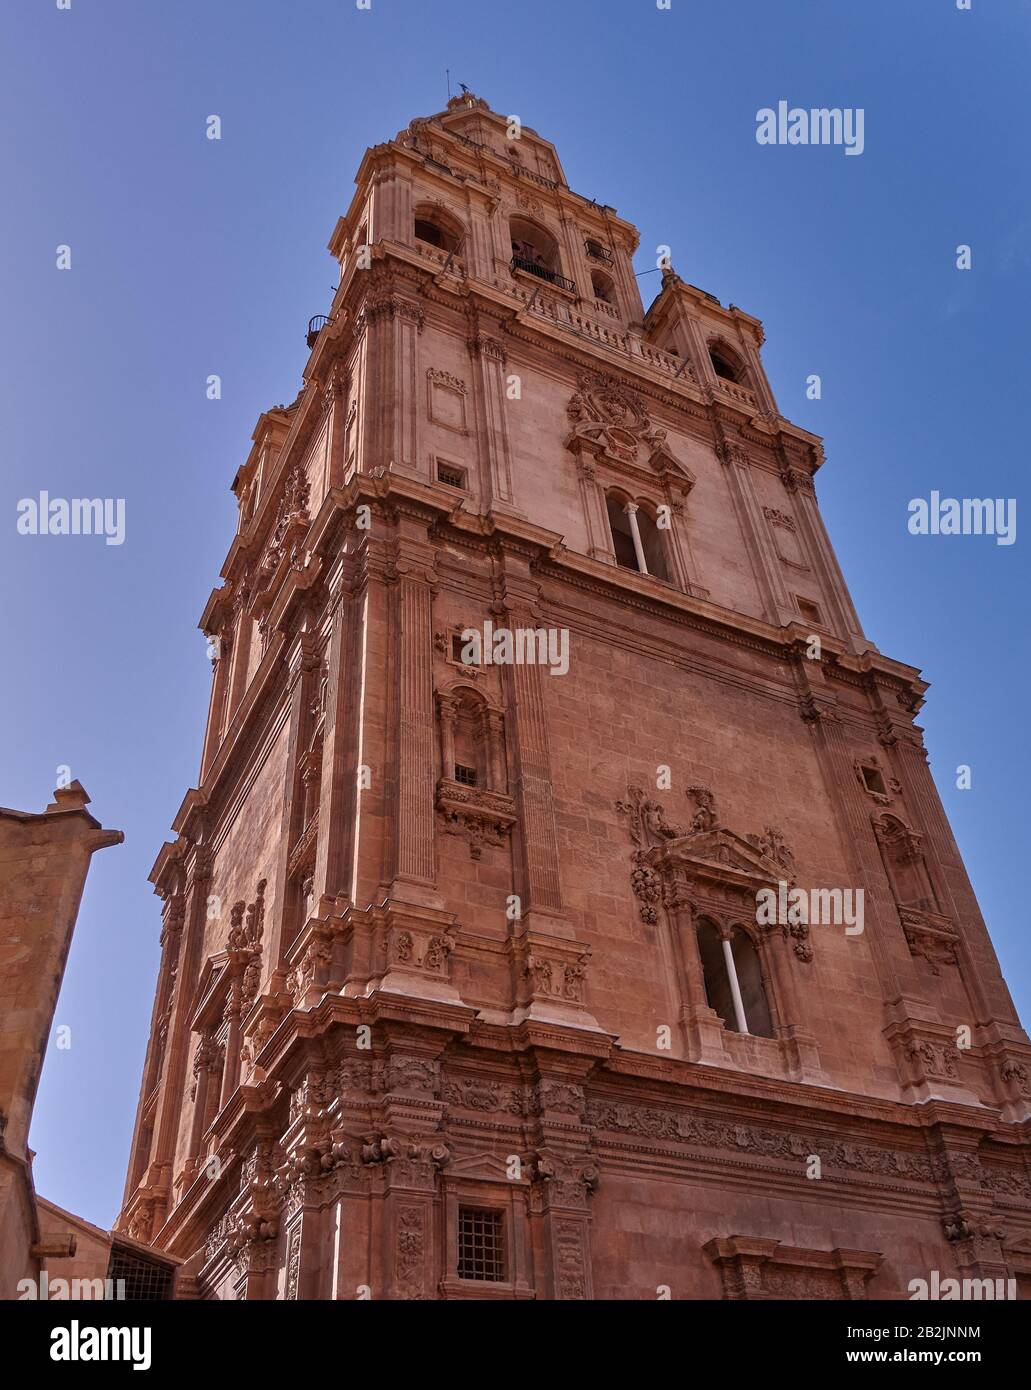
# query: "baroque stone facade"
(463, 991)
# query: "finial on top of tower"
(466, 99)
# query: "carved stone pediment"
(703, 849)
(666, 464)
(608, 420)
(718, 854)
(704, 866)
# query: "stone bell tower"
(535, 677)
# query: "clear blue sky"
(192, 257)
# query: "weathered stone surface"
(443, 942)
(44, 859)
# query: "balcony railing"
(598, 252)
(315, 327)
(552, 277)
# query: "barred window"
(146, 1280)
(481, 1244)
(451, 475)
(465, 775)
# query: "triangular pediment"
(720, 852)
(663, 460)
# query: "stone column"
(631, 511)
(701, 1026)
(447, 711)
(497, 775)
(488, 357)
(203, 1065)
(415, 754)
(243, 628)
(340, 755)
(231, 1069)
(304, 666)
(777, 607)
(169, 1116)
(220, 666)
(822, 557)
(592, 498)
(540, 887)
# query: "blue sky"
(192, 257)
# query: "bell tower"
(564, 875)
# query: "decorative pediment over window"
(705, 849)
(704, 865)
(609, 421)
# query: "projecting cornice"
(550, 556)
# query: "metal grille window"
(465, 775)
(481, 1244)
(146, 1281)
(453, 477)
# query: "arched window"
(622, 536)
(603, 286)
(733, 979)
(472, 739)
(726, 363)
(635, 537)
(535, 251)
(436, 228)
(652, 545)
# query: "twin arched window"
(636, 540)
(733, 979)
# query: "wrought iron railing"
(315, 327)
(544, 273)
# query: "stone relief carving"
(668, 858)
(688, 1127)
(484, 817)
(607, 419)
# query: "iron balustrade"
(315, 327)
(543, 273)
(598, 252)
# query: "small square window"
(809, 611)
(481, 1244)
(458, 646)
(873, 779)
(465, 775)
(450, 474)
